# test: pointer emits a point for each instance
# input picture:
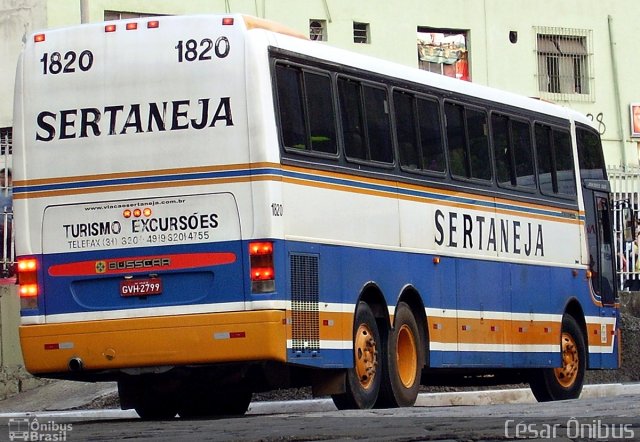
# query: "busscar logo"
(101, 267)
(137, 264)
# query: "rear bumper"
(157, 341)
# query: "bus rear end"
(133, 203)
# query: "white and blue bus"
(212, 206)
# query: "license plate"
(141, 287)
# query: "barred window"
(122, 15)
(361, 32)
(5, 141)
(565, 69)
(318, 30)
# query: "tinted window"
(590, 155)
(419, 139)
(365, 121)
(406, 130)
(522, 149)
(555, 161)
(306, 115)
(564, 162)
(321, 115)
(431, 135)
(545, 163)
(378, 124)
(512, 151)
(352, 119)
(456, 140)
(478, 144)
(502, 150)
(290, 106)
(468, 142)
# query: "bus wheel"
(157, 407)
(215, 401)
(404, 362)
(363, 380)
(564, 382)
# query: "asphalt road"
(612, 417)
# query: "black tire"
(363, 379)
(157, 407)
(219, 401)
(403, 362)
(565, 382)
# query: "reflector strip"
(229, 335)
(59, 346)
(142, 264)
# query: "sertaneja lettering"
(133, 118)
(487, 233)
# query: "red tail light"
(28, 283)
(262, 272)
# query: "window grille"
(360, 32)
(565, 64)
(123, 15)
(318, 30)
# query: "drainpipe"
(326, 10)
(616, 87)
(84, 11)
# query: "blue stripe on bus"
(391, 188)
(454, 283)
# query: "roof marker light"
(109, 28)
(227, 21)
(38, 38)
(131, 26)
(153, 24)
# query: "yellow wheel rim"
(366, 356)
(406, 356)
(568, 373)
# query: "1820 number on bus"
(192, 50)
(67, 63)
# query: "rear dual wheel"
(387, 366)
(363, 380)
(404, 362)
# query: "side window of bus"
(468, 142)
(306, 110)
(418, 132)
(523, 153)
(366, 126)
(458, 160)
(512, 152)
(590, 155)
(406, 134)
(290, 106)
(322, 122)
(564, 162)
(555, 161)
(431, 135)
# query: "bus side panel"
(486, 324)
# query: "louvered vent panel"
(304, 302)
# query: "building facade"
(577, 53)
